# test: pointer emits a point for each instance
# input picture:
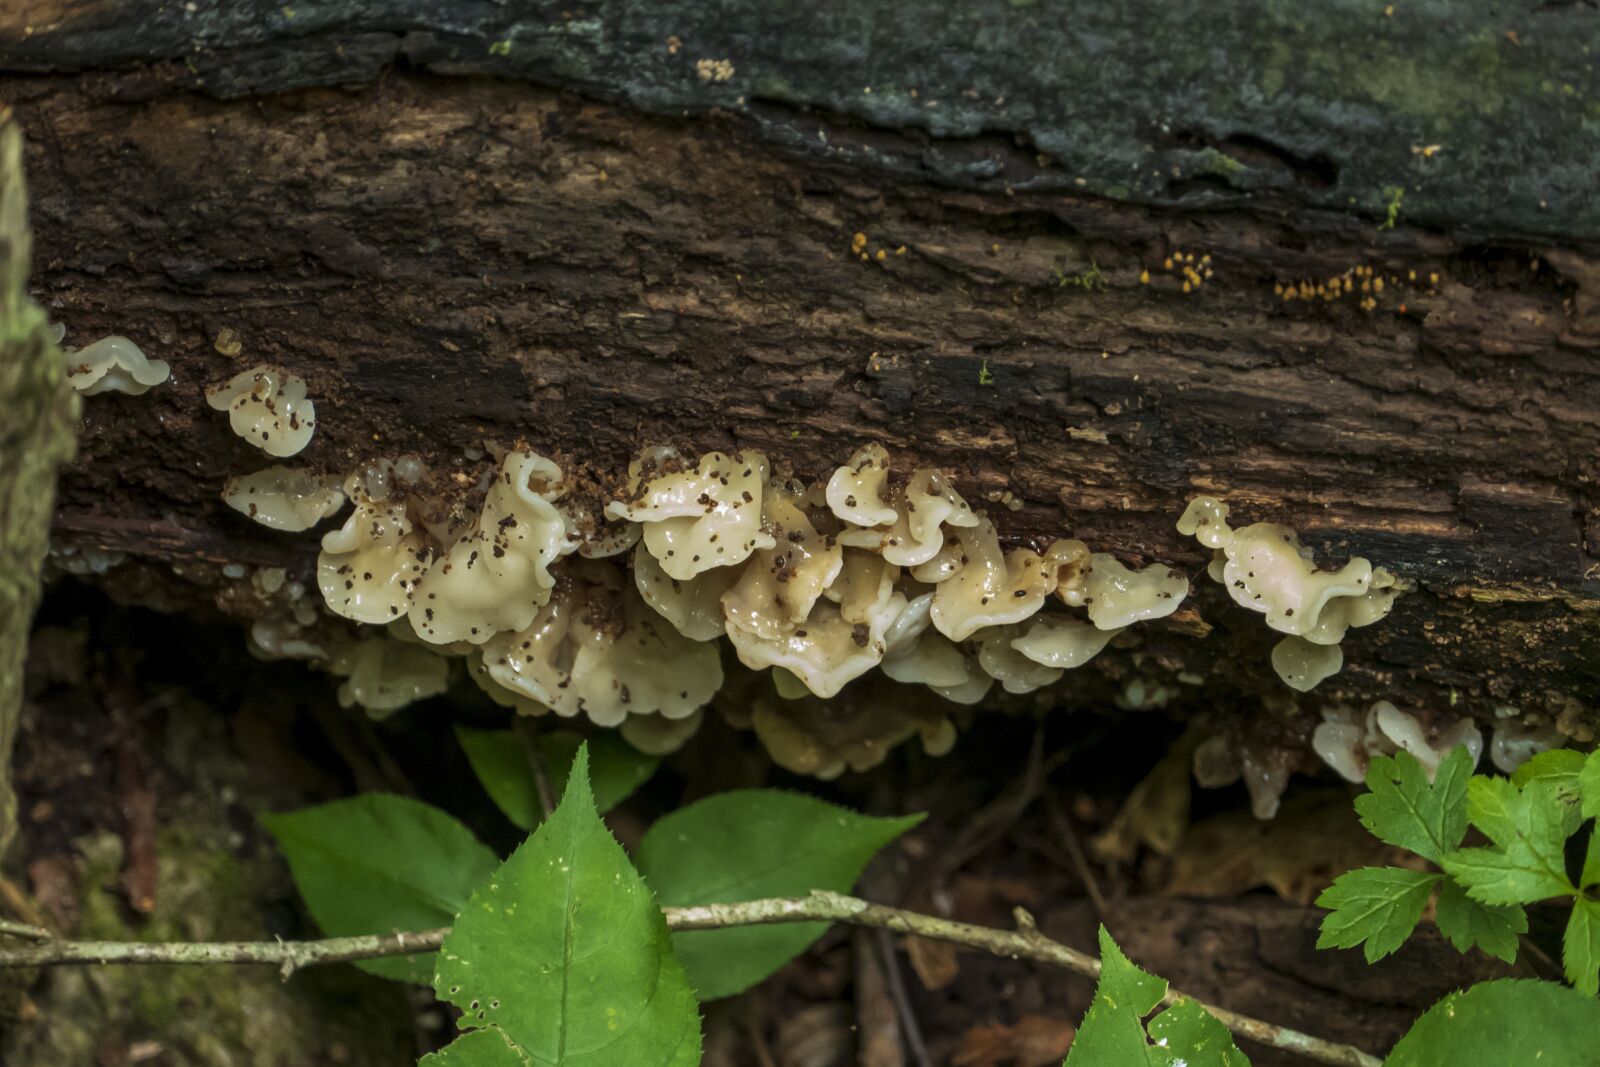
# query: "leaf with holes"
(565, 953)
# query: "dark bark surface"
(667, 258)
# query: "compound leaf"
(1374, 907)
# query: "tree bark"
(961, 232)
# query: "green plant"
(571, 953)
(1481, 890)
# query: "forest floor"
(150, 744)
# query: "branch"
(1026, 942)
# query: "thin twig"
(24, 930)
(1069, 840)
(890, 961)
(1026, 942)
(528, 735)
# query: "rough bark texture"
(36, 426)
(673, 257)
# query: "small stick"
(1026, 942)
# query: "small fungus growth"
(1265, 568)
(281, 498)
(268, 407)
(113, 365)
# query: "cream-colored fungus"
(1265, 568)
(856, 492)
(383, 675)
(1513, 742)
(496, 576)
(113, 365)
(1116, 596)
(657, 735)
(993, 588)
(268, 407)
(1346, 739)
(1062, 642)
(595, 649)
(282, 498)
(1015, 672)
(926, 505)
(813, 585)
(779, 587)
(1302, 664)
(826, 651)
(368, 566)
(696, 518)
(694, 605)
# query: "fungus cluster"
(816, 584)
(1265, 568)
(837, 595)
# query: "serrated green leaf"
(378, 863)
(1511, 1022)
(566, 952)
(1467, 922)
(1494, 805)
(1559, 769)
(1402, 808)
(477, 1048)
(745, 845)
(1580, 947)
(1513, 876)
(1374, 907)
(1529, 826)
(1112, 1033)
(500, 760)
(1589, 785)
(1186, 1035)
(1559, 765)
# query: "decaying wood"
(449, 260)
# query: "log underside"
(455, 260)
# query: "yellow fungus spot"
(1144, 277)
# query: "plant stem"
(1026, 942)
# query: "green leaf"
(1589, 785)
(1529, 826)
(1112, 1034)
(1580, 948)
(1560, 765)
(1560, 769)
(478, 1048)
(1466, 922)
(1375, 907)
(1511, 1022)
(1514, 876)
(378, 863)
(745, 845)
(1189, 1036)
(1591, 861)
(566, 953)
(500, 760)
(1404, 809)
